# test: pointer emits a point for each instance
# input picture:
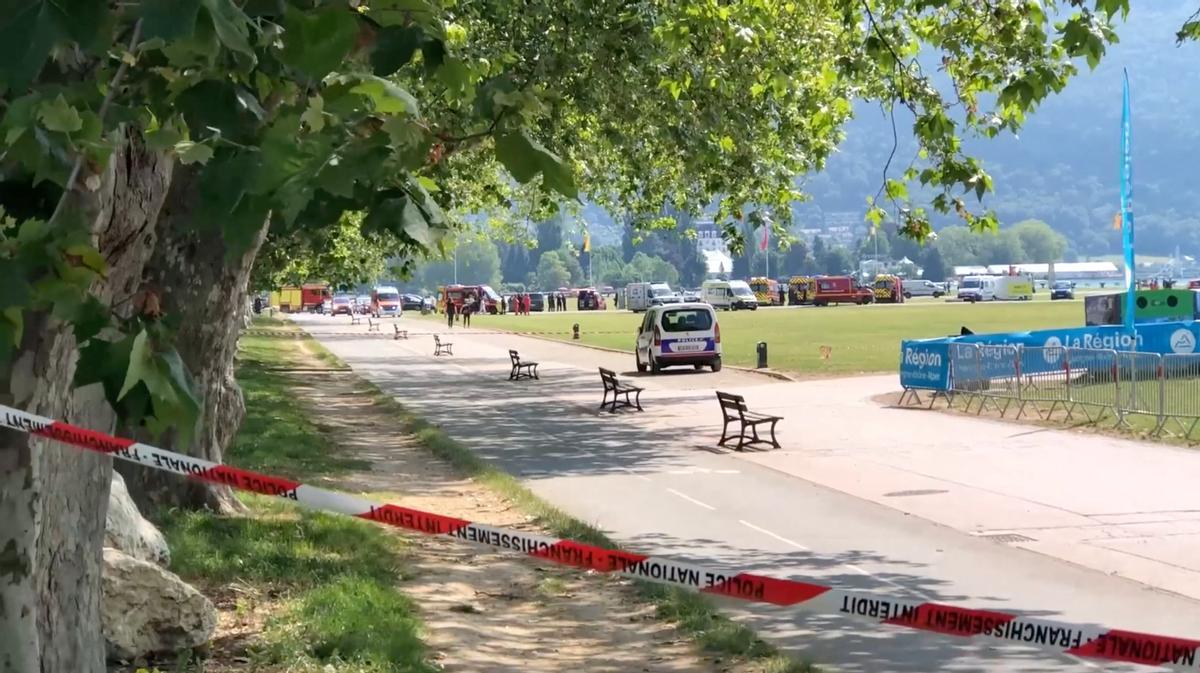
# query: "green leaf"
(387, 97)
(337, 179)
(90, 318)
(413, 223)
(896, 190)
(193, 153)
(58, 115)
(231, 25)
(165, 137)
(16, 321)
(27, 33)
(525, 158)
(168, 19)
(394, 48)
(558, 176)
(314, 116)
(316, 43)
(90, 257)
(213, 104)
(141, 364)
(518, 154)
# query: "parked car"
(362, 303)
(1063, 289)
(841, 290)
(675, 335)
(342, 304)
(411, 302)
(692, 295)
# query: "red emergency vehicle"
(841, 290)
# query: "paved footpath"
(869, 498)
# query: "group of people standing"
(519, 304)
(470, 305)
(556, 302)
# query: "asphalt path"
(655, 482)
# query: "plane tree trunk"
(53, 498)
(204, 287)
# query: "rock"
(147, 609)
(127, 530)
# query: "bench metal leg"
(724, 434)
(774, 442)
(637, 400)
(604, 402)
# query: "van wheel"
(640, 367)
(698, 367)
(716, 365)
(654, 366)
(908, 295)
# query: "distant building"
(717, 262)
(709, 238)
(1075, 271)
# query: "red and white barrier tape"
(1087, 641)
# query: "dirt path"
(487, 611)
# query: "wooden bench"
(733, 407)
(355, 319)
(372, 325)
(440, 348)
(400, 333)
(612, 385)
(521, 369)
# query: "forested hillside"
(1063, 167)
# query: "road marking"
(919, 594)
(636, 474)
(691, 499)
(782, 539)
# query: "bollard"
(575, 330)
(762, 355)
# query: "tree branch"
(108, 98)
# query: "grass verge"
(329, 580)
(693, 613)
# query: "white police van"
(677, 335)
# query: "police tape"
(1086, 641)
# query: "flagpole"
(1126, 174)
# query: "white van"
(676, 335)
(640, 296)
(977, 288)
(922, 288)
(637, 296)
(730, 295)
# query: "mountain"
(1062, 168)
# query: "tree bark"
(205, 287)
(52, 497)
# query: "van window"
(971, 282)
(687, 320)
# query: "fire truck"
(801, 290)
(841, 290)
(889, 289)
(306, 297)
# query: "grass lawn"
(862, 338)
(330, 580)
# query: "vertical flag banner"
(587, 241)
(766, 239)
(1127, 206)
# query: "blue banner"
(925, 364)
(1127, 207)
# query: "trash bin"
(762, 355)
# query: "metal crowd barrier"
(1150, 392)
